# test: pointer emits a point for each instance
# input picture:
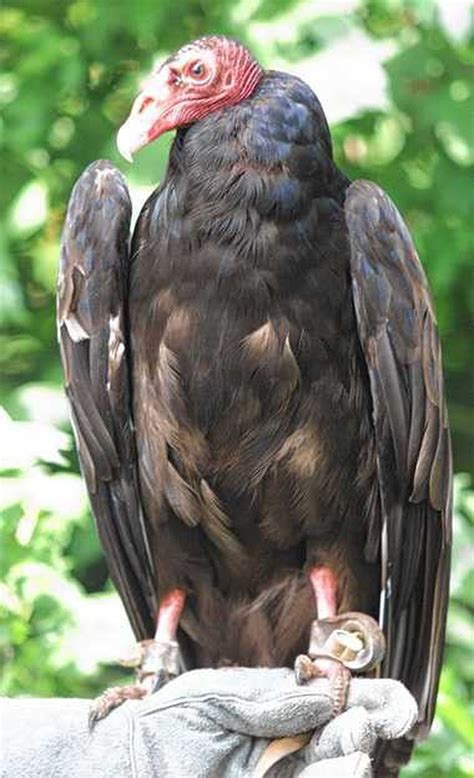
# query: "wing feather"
(91, 327)
(398, 334)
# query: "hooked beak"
(127, 141)
(149, 117)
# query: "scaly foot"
(112, 698)
(338, 675)
(155, 662)
(338, 645)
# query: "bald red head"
(203, 76)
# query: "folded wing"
(400, 343)
(92, 294)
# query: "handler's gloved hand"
(207, 723)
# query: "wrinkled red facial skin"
(200, 78)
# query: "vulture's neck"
(256, 164)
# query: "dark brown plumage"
(256, 388)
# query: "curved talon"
(155, 662)
(304, 669)
(159, 679)
(112, 698)
(354, 639)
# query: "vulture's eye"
(197, 70)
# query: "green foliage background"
(69, 71)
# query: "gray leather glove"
(206, 723)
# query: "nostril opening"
(145, 103)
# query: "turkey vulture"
(255, 382)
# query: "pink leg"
(156, 661)
(324, 586)
(169, 614)
(331, 659)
